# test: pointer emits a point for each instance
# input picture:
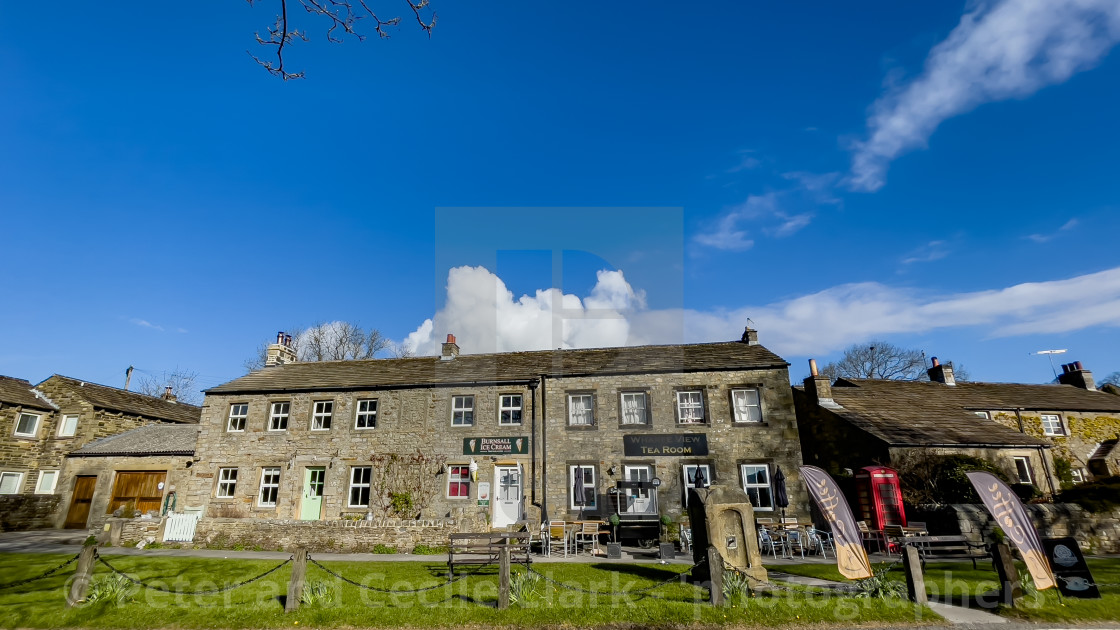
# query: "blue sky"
(939, 175)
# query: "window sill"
(581, 427)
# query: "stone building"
(138, 471)
(851, 423)
(49, 420)
(491, 439)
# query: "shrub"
(1063, 470)
(114, 589)
(880, 586)
(400, 503)
(317, 592)
(425, 550)
(383, 549)
(523, 587)
(1101, 495)
(931, 478)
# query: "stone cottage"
(487, 440)
(851, 423)
(49, 420)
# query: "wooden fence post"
(295, 583)
(915, 579)
(1010, 587)
(715, 574)
(82, 576)
(503, 576)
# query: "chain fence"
(48, 573)
(387, 590)
(213, 591)
(641, 591)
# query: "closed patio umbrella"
(781, 496)
(577, 492)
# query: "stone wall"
(1097, 533)
(419, 418)
(334, 535)
(27, 511)
(1084, 431)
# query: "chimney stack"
(281, 352)
(450, 348)
(750, 336)
(942, 373)
(1075, 374)
(817, 386)
(167, 395)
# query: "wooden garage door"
(139, 488)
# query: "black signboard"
(1074, 579)
(518, 445)
(680, 445)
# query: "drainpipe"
(1046, 468)
(533, 443)
(544, 451)
(1019, 417)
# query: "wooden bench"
(948, 548)
(484, 548)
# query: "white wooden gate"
(180, 527)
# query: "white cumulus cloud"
(1001, 49)
(485, 316)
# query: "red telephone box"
(880, 498)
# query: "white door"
(637, 500)
(507, 496)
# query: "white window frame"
(279, 412)
(34, 432)
(572, 472)
(322, 415)
(270, 480)
(462, 410)
(459, 474)
(357, 483)
(19, 480)
(627, 411)
(691, 405)
(1055, 427)
(507, 406)
(587, 411)
(983, 414)
(685, 484)
(227, 483)
(742, 412)
(1077, 475)
(365, 413)
(768, 486)
(1026, 461)
(237, 412)
(62, 432)
(39, 489)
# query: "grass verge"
(471, 601)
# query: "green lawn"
(468, 602)
(958, 582)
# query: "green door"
(312, 505)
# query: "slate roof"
(906, 413)
(991, 396)
(16, 391)
(502, 367)
(152, 439)
(113, 399)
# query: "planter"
(668, 551)
(614, 550)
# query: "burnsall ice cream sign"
(666, 445)
(496, 445)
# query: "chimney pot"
(450, 338)
(942, 373)
(280, 337)
(935, 362)
(450, 348)
(813, 368)
(750, 336)
(1077, 376)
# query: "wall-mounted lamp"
(611, 471)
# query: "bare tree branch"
(181, 382)
(343, 19)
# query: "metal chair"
(686, 539)
(766, 541)
(821, 541)
(795, 538)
